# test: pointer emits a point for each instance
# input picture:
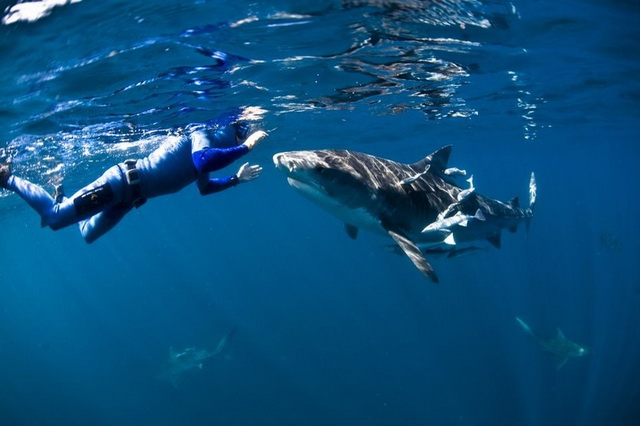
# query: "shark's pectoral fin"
(494, 239)
(352, 231)
(562, 362)
(524, 326)
(450, 240)
(416, 256)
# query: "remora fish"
(190, 359)
(447, 225)
(558, 345)
(396, 199)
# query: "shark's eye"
(320, 169)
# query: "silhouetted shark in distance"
(558, 345)
(190, 359)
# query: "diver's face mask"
(232, 135)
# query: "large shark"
(402, 200)
(558, 345)
(190, 359)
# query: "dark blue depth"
(328, 331)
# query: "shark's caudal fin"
(533, 191)
(533, 194)
(437, 160)
(413, 252)
(224, 342)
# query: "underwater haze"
(327, 330)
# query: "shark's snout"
(277, 159)
(281, 162)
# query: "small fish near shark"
(418, 205)
(559, 345)
(181, 362)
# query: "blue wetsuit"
(99, 206)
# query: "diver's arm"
(246, 173)
(210, 186)
(207, 159)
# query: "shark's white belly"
(358, 217)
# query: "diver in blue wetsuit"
(178, 162)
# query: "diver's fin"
(494, 239)
(414, 253)
(437, 159)
(352, 231)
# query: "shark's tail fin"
(533, 191)
(533, 194)
(524, 326)
(224, 342)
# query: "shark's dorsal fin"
(437, 160)
(413, 252)
(560, 335)
(352, 231)
(494, 239)
(515, 202)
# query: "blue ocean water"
(328, 331)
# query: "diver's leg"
(108, 190)
(99, 224)
(33, 194)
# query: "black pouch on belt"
(94, 200)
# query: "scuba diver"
(178, 162)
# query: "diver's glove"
(247, 172)
(254, 138)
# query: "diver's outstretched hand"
(254, 138)
(247, 172)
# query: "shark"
(559, 345)
(191, 358)
(400, 200)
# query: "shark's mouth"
(288, 166)
(304, 187)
